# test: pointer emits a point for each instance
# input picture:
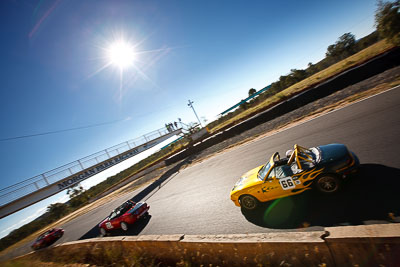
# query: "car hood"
(332, 152)
(248, 179)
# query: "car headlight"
(239, 183)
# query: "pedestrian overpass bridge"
(35, 189)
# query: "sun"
(121, 54)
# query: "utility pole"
(190, 104)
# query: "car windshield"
(121, 210)
(263, 171)
(113, 215)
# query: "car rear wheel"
(124, 226)
(248, 202)
(328, 184)
(103, 232)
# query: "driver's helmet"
(289, 153)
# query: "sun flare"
(121, 54)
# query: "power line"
(59, 131)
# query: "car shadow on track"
(371, 195)
(134, 229)
(160, 182)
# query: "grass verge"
(339, 67)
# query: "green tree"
(75, 190)
(311, 69)
(57, 209)
(298, 75)
(343, 47)
(387, 21)
(252, 91)
(243, 105)
(77, 195)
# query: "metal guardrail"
(43, 180)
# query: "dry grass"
(91, 254)
(354, 60)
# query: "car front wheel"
(103, 232)
(248, 202)
(328, 184)
(124, 226)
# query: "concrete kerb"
(270, 249)
(372, 245)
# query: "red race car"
(121, 217)
(47, 238)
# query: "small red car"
(47, 238)
(121, 217)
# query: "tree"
(343, 47)
(311, 69)
(57, 209)
(252, 91)
(387, 21)
(75, 191)
(298, 75)
(243, 105)
(77, 195)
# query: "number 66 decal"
(287, 183)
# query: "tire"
(103, 232)
(124, 226)
(328, 184)
(248, 202)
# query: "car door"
(279, 183)
(116, 222)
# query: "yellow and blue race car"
(322, 167)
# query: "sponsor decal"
(92, 171)
(267, 189)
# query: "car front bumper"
(235, 200)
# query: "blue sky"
(212, 52)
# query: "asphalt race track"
(195, 200)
